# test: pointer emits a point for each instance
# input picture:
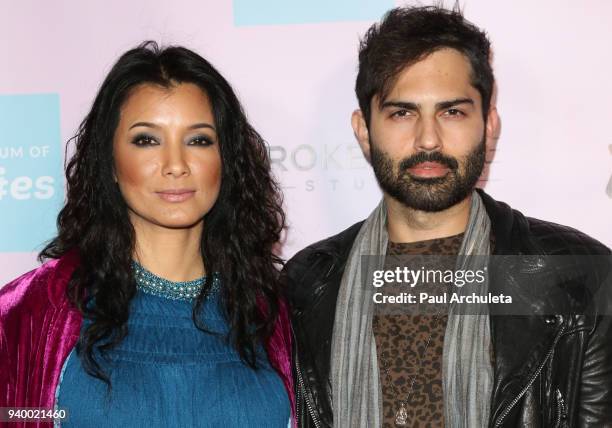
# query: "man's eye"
(454, 112)
(400, 113)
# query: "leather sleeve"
(595, 399)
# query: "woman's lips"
(176, 195)
(429, 170)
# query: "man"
(426, 118)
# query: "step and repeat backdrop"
(293, 64)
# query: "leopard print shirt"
(400, 342)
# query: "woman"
(160, 306)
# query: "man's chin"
(431, 201)
(428, 181)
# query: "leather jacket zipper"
(561, 412)
(298, 398)
(310, 407)
(532, 379)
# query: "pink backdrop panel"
(296, 80)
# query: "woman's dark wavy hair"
(408, 34)
(240, 233)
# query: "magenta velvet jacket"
(39, 327)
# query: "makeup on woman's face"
(166, 154)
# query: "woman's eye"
(200, 141)
(144, 140)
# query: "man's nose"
(427, 135)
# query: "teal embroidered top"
(167, 373)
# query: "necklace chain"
(401, 415)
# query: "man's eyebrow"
(399, 104)
(451, 103)
(414, 106)
(154, 126)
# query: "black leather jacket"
(549, 371)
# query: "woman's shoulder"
(38, 289)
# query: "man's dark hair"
(407, 35)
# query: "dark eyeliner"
(201, 140)
(137, 140)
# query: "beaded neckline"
(150, 283)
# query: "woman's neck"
(173, 254)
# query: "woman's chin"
(178, 223)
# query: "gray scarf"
(467, 371)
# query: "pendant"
(401, 417)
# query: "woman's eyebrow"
(153, 125)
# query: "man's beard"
(428, 194)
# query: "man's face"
(426, 142)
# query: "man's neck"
(409, 225)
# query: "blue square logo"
(31, 184)
(279, 12)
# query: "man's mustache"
(421, 157)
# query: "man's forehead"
(442, 75)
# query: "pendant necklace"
(401, 414)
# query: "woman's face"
(167, 158)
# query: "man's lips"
(429, 170)
(176, 195)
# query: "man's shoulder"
(557, 239)
(516, 233)
(316, 270)
(333, 247)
